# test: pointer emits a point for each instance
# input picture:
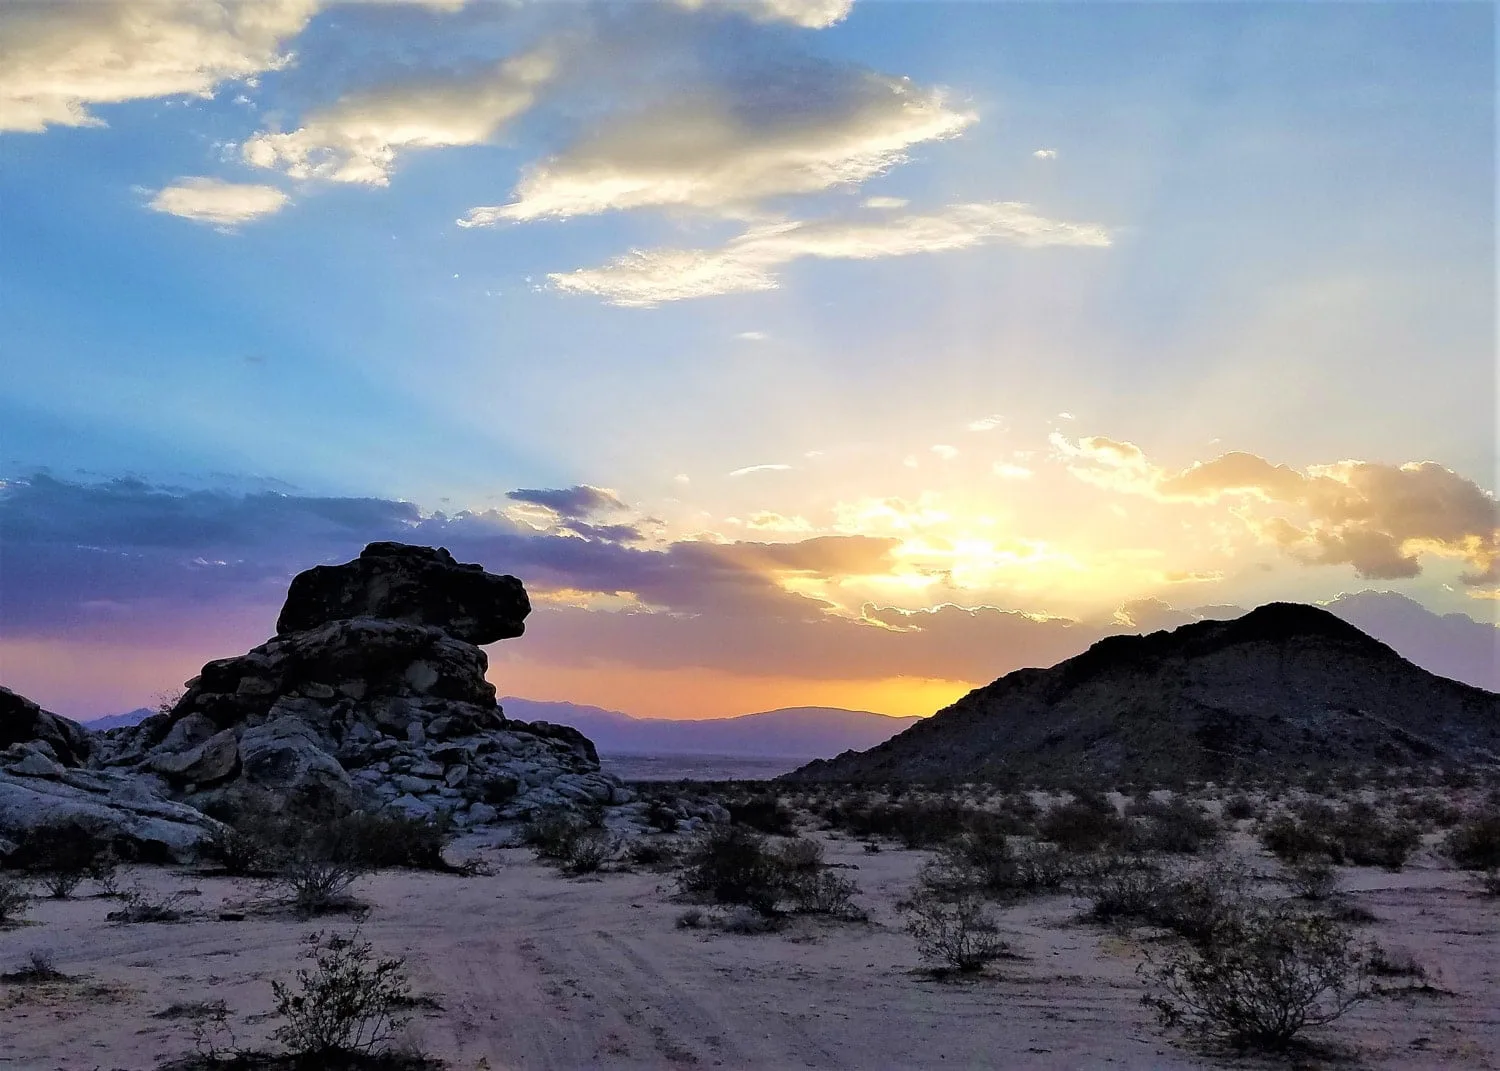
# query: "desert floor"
(529, 969)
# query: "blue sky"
(1000, 284)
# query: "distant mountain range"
(1283, 689)
(791, 732)
(115, 721)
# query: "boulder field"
(371, 694)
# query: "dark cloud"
(577, 503)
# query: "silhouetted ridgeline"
(1282, 689)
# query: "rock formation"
(372, 693)
(1285, 688)
(43, 784)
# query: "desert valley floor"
(524, 968)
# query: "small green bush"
(348, 1002)
(1085, 824)
(958, 935)
(1475, 843)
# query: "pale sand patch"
(534, 970)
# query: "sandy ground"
(533, 970)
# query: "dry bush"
(732, 865)
(1239, 807)
(1262, 981)
(1176, 826)
(347, 1002)
(587, 852)
(1356, 835)
(1475, 844)
(958, 935)
(37, 968)
(1087, 823)
(62, 855)
(924, 821)
(142, 905)
(15, 898)
(764, 813)
(991, 865)
(1192, 905)
(1312, 879)
(1489, 882)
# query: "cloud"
(724, 149)
(885, 202)
(989, 423)
(1450, 645)
(809, 14)
(944, 451)
(579, 502)
(750, 262)
(125, 562)
(226, 204)
(1045, 154)
(1377, 518)
(1007, 471)
(748, 469)
(58, 59)
(358, 138)
(1152, 615)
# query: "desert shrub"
(61, 855)
(1177, 826)
(1085, 824)
(1475, 843)
(15, 897)
(650, 853)
(1488, 883)
(550, 836)
(1312, 878)
(958, 935)
(732, 865)
(994, 866)
(142, 905)
(1261, 981)
(347, 1002)
(242, 852)
(380, 841)
(36, 968)
(1430, 812)
(316, 883)
(1192, 905)
(1387, 963)
(104, 872)
(691, 919)
(764, 814)
(1239, 807)
(920, 822)
(587, 853)
(746, 920)
(1355, 835)
(823, 892)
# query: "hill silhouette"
(1284, 688)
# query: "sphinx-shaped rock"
(415, 585)
(372, 692)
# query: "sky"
(790, 351)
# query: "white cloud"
(225, 204)
(1045, 154)
(944, 451)
(58, 59)
(885, 202)
(989, 423)
(759, 468)
(749, 262)
(1007, 471)
(713, 151)
(358, 138)
(809, 14)
(751, 336)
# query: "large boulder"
(22, 721)
(416, 585)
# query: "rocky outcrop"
(413, 585)
(372, 693)
(1284, 689)
(39, 792)
(22, 721)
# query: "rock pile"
(372, 693)
(43, 784)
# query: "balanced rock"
(415, 585)
(372, 693)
